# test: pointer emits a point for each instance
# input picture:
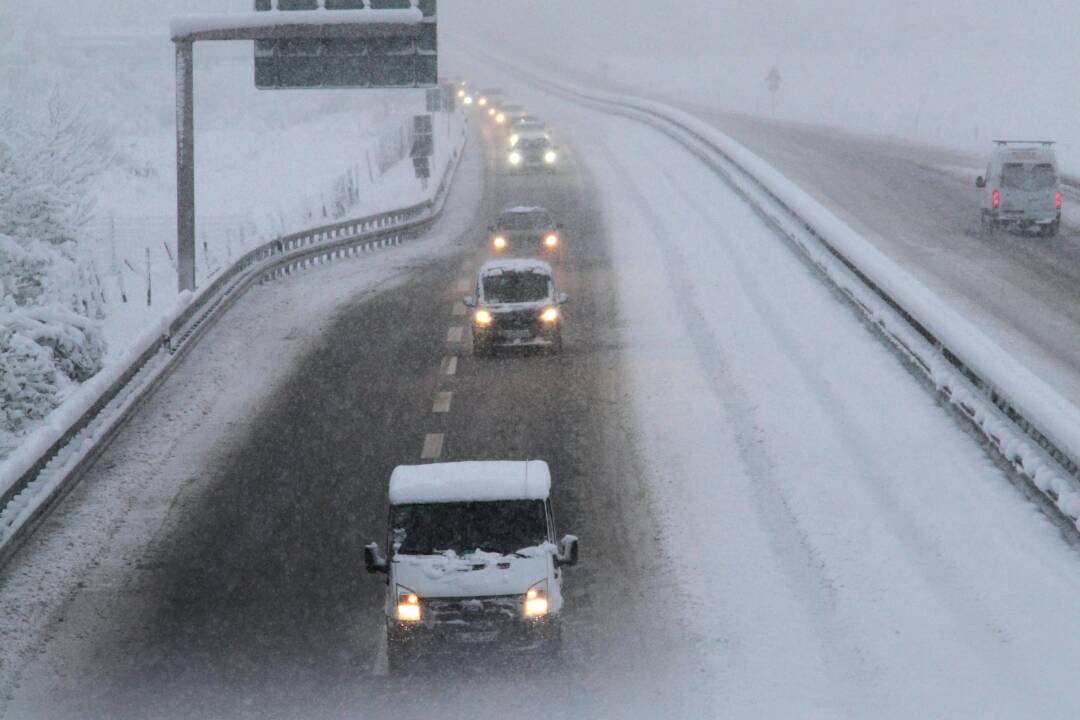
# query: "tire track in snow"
(984, 632)
(792, 547)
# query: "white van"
(472, 560)
(1020, 189)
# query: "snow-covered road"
(778, 518)
(845, 547)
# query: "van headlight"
(550, 315)
(551, 240)
(550, 157)
(482, 317)
(408, 605)
(514, 139)
(515, 158)
(499, 242)
(536, 600)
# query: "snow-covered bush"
(49, 296)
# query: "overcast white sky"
(941, 70)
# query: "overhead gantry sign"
(300, 43)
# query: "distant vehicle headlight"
(551, 240)
(500, 118)
(550, 157)
(482, 102)
(550, 315)
(467, 100)
(461, 93)
(499, 242)
(515, 158)
(491, 111)
(482, 317)
(514, 139)
(536, 601)
(408, 609)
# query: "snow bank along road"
(775, 516)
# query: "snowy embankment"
(1030, 423)
(138, 369)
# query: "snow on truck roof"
(470, 481)
(497, 267)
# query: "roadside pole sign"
(772, 81)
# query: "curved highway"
(776, 517)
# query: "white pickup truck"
(472, 560)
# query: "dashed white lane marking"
(460, 309)
(464, 285)
(454, 334)
(432, 446)
(381, 666)
(442, 402)
(448, 365)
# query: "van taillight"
(1057, 199)
(996, 199)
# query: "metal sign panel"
(423, 140)
(404, 56)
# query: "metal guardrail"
(1065, 459)
(278, 257)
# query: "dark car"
(526, 231)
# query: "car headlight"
(536, 600)
(499, 242)
(551, 240)
(482, 317)
(515, 158)
(500, 118)
(408, 606)
(550, 157)
(550, 315)
(482, 102)
(514, 139)
(467, 100)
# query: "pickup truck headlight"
(550, 315)
(515, 158)
(408, 606)
(536, 600)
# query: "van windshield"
(525, 220)
(503, 526)
(516, 287)
(1017, 176)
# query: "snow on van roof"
(495, 267)
(475, 480)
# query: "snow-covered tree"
(48, 338)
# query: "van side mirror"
(469, 301)
(563, 298)
(374, 562)
(568, 551)
(980, 182)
